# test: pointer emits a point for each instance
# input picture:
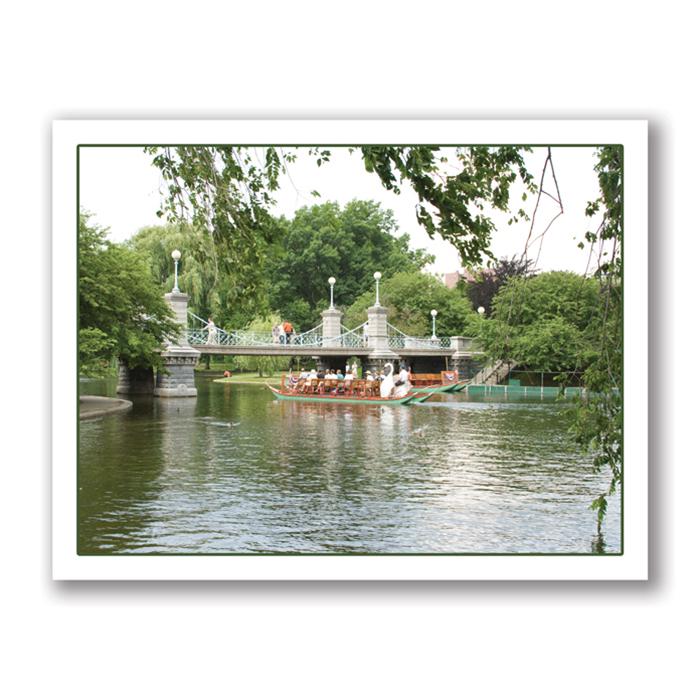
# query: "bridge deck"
(310, 351)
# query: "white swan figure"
(387, 385)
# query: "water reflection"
(233, 470)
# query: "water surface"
(235, 471)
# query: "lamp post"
(176, 257)
(481, 310)
(331, 281)
(433, 313)
(377, 277)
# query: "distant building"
(450, 279)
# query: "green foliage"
(95, 352)
(212, 288)
(325, 241)
(524, 301)
(226, 193)
(547, 322)
(409, 298)
(453, 205)
(488, 281)
(122, 312)
(598, 418)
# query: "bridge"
(330, 344)
(352, 342)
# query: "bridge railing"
(251, 338)
(398, 340)
(313, 338)
(349, 338)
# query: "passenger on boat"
(303, 374)
(312, 374)
(211, 332)
(339, 375)
(402, 385)
(354, 369)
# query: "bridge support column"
(378, 340)
(136, 380)
(331, 326)
(179, 357)
(375, 364)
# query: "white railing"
(398, 340)
(313, 338)
(350, 338)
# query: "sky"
(121, 188)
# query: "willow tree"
(598, 423)
(212, 289)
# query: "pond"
(235, 471)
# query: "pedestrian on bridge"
(212, 332)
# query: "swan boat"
(410, 398)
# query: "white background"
(177, 640)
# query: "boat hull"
(459, 386)
(315, 398)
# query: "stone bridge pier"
(179, 357)
(176, 379)
(134, 380)
(377, 340)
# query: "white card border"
(67, 565)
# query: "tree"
(325, 241)
(489, 280)
(452, 205)
(409, 298)
(598, 420)
(547, 322)
(227, 191)
(213, 291)
(122, 312)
